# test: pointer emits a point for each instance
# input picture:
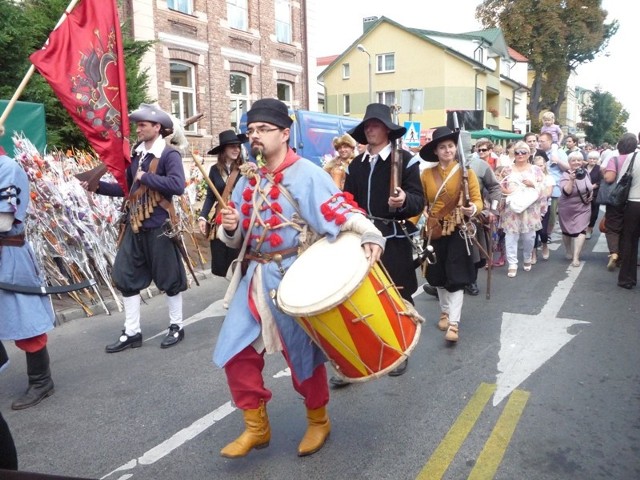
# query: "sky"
(611, 72)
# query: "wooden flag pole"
(32, 69)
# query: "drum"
(354, 313)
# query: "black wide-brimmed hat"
(151, 113)
(440, 134)
(381, 112)
(228, 137)
(270, 110)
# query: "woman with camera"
(574, 207)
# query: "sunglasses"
(483, 149)
(522, 152)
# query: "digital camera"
(580, 173)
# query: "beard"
(256, 150)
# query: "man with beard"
(272, 212)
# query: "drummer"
(273, 210)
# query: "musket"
(465, 196)
(395, 167)
(198, 162)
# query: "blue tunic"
(23, 316)
(310, 187)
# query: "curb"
(74, 313)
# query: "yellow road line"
(493, 451)
(455, 437)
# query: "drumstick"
(208, 180)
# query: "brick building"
(218, 56)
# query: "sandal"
(526, 267)
(545, 251)
(512, 272)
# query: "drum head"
(325, 275)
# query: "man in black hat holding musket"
(147, 251)
(368, 180)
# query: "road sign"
(412, 137)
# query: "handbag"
(620, 191)
(522, 198)
(604, 192)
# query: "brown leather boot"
(317, 431)
(256, 435)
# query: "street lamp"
(364, 50)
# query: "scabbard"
(46, 289)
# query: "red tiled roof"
(517, 56)
(323, 61)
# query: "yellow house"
(425, 74)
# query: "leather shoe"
(337, 382)
(472, 289)
(174, 335)
(125, 341)
(400, 369)
(430, 290)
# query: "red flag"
(84, 64)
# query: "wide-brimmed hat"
(270, 110)
(228, 137)
(151, 113)
(378, 111)
(440, 134)
(345, 139)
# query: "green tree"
(555, 35)
(24, 28)
(604, 118)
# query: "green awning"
(492, 134)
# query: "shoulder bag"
(620, 191)
(604, 192)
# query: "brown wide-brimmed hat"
(440, 134)
(381, 112)
(228, 137)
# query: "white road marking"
(196, 428)
(528, 341)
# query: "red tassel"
(330, 216)
(277, 178)
(218, 219)
(253, 181)
(340, 219)
(276, 208)
(245, 224)
(324, 208)
(246, 209)
(247, 194)
(274, 221)
(348, 196)
(274, 193)
(231, 204)
(275, 240)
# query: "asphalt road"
(543, 384)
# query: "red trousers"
(244, 377)
(33, 344)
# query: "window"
(283, 21)
(184, 6)
(238, 14)
(507, 108)
(285, 93)
(479, 99)
(183, 92)
(346, 71)
(385, 62)
(388, 98)
(346, 104)
(239, 88)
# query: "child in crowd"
(549, 126)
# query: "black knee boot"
(9, 458)
(40, 383)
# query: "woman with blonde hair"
(521, 225)
(337, 166)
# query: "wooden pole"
(198, 162)
(31, 70)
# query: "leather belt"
(276, 256)
(14, 241)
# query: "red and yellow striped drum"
(354, 313)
